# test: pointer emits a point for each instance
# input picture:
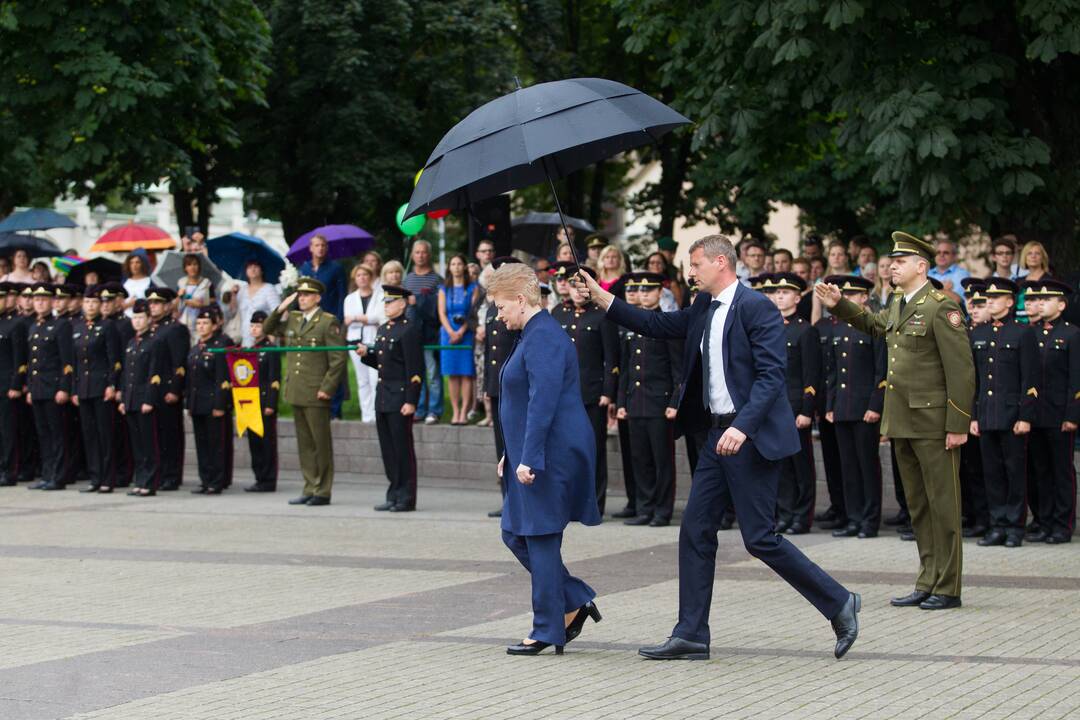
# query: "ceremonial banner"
(244, 376)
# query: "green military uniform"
(306, 374)
(929, 392)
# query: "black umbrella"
(34, 246)
(534, 232)
(35, 219)
(107, 270)
(538, 133)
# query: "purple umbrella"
(342, 241)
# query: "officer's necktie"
(713, 306)
(903, 304)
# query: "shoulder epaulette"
(937, 295)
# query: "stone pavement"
(240, 607)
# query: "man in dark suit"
(734, 384)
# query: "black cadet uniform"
(1050, 448)
(797, 490)
(123, 466)
(51, 367)
(650, 377)
(207, 399)
(597, 342)
(398, 355)
(75, 467)
(176, 341)
(13, 351)
(98, 365)
(145, 360)
(30, 464)
(498, 342)
(836, 514)
(264, 450)
(973, 508)
(1006, 370)
(855, 385)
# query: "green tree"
(105, 96)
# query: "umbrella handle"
(558, 208)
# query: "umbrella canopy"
(170, 269)
(64, 263)
(124, 238)
(35, 219)
(231, 252)
(537, 134)
(107, 270)
(34, 246)
(534, 232)
(342, 241)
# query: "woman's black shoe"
(585, 611)
(533, 648)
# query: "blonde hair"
(513, 279)
(1022, 261)
(620, 270)
(390, 267)
(359, 267)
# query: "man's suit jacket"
(755, 356)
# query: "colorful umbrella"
(125, 238)
(35, 219)
(66, 262)
(342, 241)
(231, 252)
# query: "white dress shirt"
(720, 402)
(908, 296)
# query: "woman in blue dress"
(455, 302)
(548, 465)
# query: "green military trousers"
(931, 479)
(316, 449)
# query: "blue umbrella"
(231, 252)
(35, 219)
(34, 246)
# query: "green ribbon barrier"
(319, 348)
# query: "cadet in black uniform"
(835, 516)
(856, 396)
(67, 306)
(626, 456)
(170, 420)
(795, 498)
(30, 462)
(207, 397)
(398, 355)
(650, 377)
(112, 311)
(13, 350)
(98, 363)
(1057, 414)
(52, 358)
(1006, 370)
(975, 514)
(498, 342)
(263, 450)
(141, 397)
(597, 341)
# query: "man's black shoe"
(825, 516)
(383, 507)
(1032, 526)
(169, 487)
(89, 489)
(493, 513)
(833, 524)
(676, 649)
(908, 536)
(796, 529)
(849, 531)
(975, 531)
(53, 486)
(1039, 536)
(864, 534)
(259, 488)
(38, 485)
(900, 518)
(626, 512)
(846, 625)
(318, 500)
(994, 537)
(302, 500)
(201, 490)
(1013, 541)
(911, 600)
(781, 527)
(659, 522)
(1058, 539)
(906, 528)
(940, 602)
(403, 508)
(639, 520)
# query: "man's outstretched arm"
(664, 325)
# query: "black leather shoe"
(994, 537)
(781, 527)
(974, 531)
(675, 648)
(940, 602)
(899, 518)
(832, 524)
(37, 486)
(911, 600)
(169, 487)
(796, 529)
(639, 520)
(589, 610)
(214, 491)
(907, 536)
(904, 528)
(1014, 541)
(104, 490)
(495, 514)
(825, 516)
(849, 531)
(302, 500)
(846, 625)
(864, 534)
(53, 486)
(403, 508)
(259, 488)
(1039, 536)
(659, 522)
(626, 512)
(89, 489)
(383, 507)
(533, 648)
(317, 500)
(201, 490)
(1058, 539)
(1032, 527)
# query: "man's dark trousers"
(750, 481)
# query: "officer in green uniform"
(310, 381)
(928, 400)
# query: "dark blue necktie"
(713, 306)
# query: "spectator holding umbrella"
(455, 301)
(257, 295)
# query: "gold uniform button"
(991, 359)
(843, 385)
(638, 351)
(843, 354)
(637, 384)
(637, 367)
(891, 387)
(494, 332)
(843, 369)
(989, 392)
(494, 347)
(494, 362)
(989, 377)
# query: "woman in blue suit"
(548, 466)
